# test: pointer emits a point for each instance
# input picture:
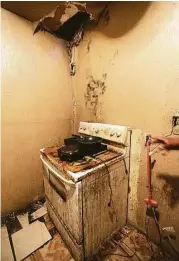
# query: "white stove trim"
(115, 133)
(77, 176)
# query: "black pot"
(89, 145)
(69, 153)
(88, 140)
(77, 147)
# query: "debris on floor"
(23, 219)
(21, 237)
(54, 250)
(31, 208)
(12, 223)
(40, 241)
(38, 213)
(30, 238)
(6, 247)
(50, 226)
(129, 244)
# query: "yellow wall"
(138, 50)
(36, 106)
(136, 55)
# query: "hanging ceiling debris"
(65, 21)
(68, 22)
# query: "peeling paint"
(104, 76)
(88, 45)
(95, 89)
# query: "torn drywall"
(67, 22)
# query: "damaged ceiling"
(62, 19)
(34, 11)
(65, 20)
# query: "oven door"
(66, 198)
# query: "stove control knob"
(112, 133)
(96, 131)
(84, 128)
(118, 134)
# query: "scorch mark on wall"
(88, 45)
(95, 89)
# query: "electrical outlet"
(175, 119)
(147, 137)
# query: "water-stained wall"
(127, 74)
(136, 47)
(36, 107)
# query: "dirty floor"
(126, 245)
(129, 244)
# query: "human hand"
(168, 143)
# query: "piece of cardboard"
(23, 219)
(38, 213)
(30, 238)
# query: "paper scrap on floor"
(30, 238)
(6, 254)
(38, 213)
(23, 219)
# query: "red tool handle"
(149, 201)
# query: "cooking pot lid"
(89, 139)
(69, 149)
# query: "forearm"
(169, 143)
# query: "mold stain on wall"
(88, 45)
(170, 188)
(95, 89)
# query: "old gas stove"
(86, 186)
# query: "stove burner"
(69, 149)
(69, 153)
(76, 147)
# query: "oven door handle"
(56, 190)
(53, 171)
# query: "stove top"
(86, 163)
(79, 146)
(96, 145)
